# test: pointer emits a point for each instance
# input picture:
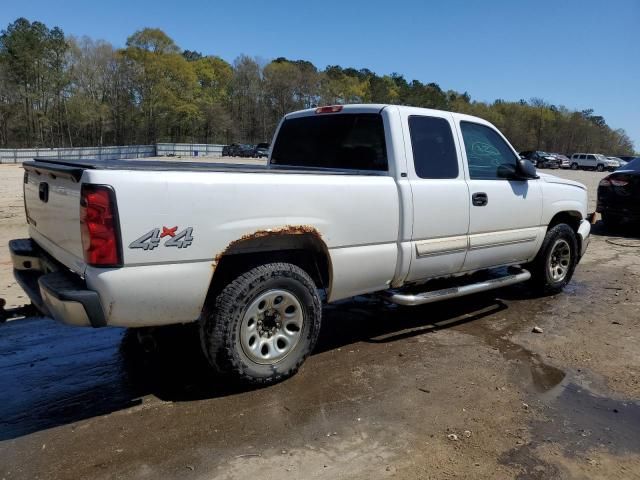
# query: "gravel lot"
(457, 389)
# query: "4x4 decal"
(151, 240)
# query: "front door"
(505, 214)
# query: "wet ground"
(457, 389)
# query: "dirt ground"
(459, 389)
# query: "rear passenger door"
(440, 194)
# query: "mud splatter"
(284, 230)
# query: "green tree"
(33, 60)
(213, 96)
(164, 85)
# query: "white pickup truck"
(359, 199)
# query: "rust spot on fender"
(284, 230)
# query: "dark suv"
(230, 150)
(261, 150)
(238, 150)
(541, 159)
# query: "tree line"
(58, 91)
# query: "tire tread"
(218, 324)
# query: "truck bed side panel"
(356, 216)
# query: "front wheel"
(574, 166)
(556, 261)
(600, 168)
(264, 324)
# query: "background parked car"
(246, 150)
(230, 150)
(238, 150)
(541, 159)
(261, 150)
(619, 161)
(592, 161)
(564, 160)
(619, 195)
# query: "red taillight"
(613, 181)
(99, 226)
(616, 182)
(329, 109)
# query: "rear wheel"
(264, 324)
(556, 261)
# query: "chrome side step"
(454, 292)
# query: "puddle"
(575, 288)
(530, 370)
(580, 419)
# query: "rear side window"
(434, 153)
(337, 141)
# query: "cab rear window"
(346, 141)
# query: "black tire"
(574, 166)
(541, 277)
(220, 327)
(600, 168)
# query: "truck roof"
(378, 107)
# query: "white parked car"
(360, 199)
(617, 162)
(592, 161)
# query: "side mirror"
(525, 170)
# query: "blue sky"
(581, 54)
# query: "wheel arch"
(299, 245)
(571, 218)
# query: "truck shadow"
(53, 375)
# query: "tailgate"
(52, 204)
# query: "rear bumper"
(54, 290)
(628, 210)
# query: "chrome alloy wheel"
(559, 260)
(271, 326)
